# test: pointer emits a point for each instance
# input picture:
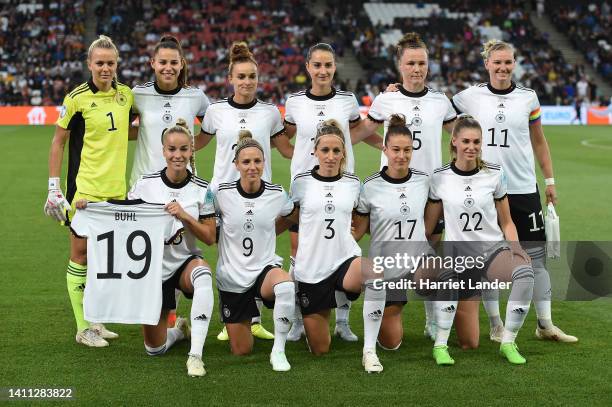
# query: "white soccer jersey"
(247, 242)
(326, 206)
(158, 110)
(305, 111)
(426, 112)
(226, 118)
(396, 206)
(469, 202)
(191, 194)
(125, 241)
(505, 117)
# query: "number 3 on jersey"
(330, 232)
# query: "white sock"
(490, 301)
(542, 293)
(445, 315)
(445, 309)
(201, 308)
(518, 304)
(177, 295)
(173, 335)
(259, 303)
(343, 307)
(158, 351)
(284, 308)
(430, 315)
(373, 309)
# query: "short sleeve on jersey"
(67, 111)
(363, 206)
(207, 125)
(277, 126)
(209, 208)
(288, 112)
(501, 189)
(354, 116)
(204, 103)
(535, 113)
(375, 113)
(297, 192)
(79, 224)
(451, 114)
(288, 205)
(459, 101)
(433, 194)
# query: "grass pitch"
(38, 347)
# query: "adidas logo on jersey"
(167, 105)
(329, 195)
(93, 104)
(501, 106)
(376, 315)
(416, 108)
(242, 121)
(449, 309)
(403, 196)
(249, 212)
(321, 113)
(467, 188)
(202, 317)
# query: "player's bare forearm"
(541, 149)
(362, 130)
(285, 222)
(56, 153)
(449, 127)
(290, 130)
(360, 226)
(133, 133)
(202, 140)
(285, 148)
(433, 212)
(205, 230)
(375, 141)
(505, 220)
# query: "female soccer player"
(328, 258)
(303, 112)
(248, 267)
(472, 194)
(183, 266)
(427, 112)
(243, 111)
(392, 206)
(159, 104)
(95, 119)
(510, 117)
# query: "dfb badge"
(329, 208)
(469, 202)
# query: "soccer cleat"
(554, 334)
(260, 332)
(296, 332)
(101, 330)
(343, 330)
(510, 351)
(430, 331)
(279, 362)
(181, 323)
(441, 355)
(89, 337)
(195, 366)
(370, 362)
(223, 336)
(496, 333)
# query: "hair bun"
(397, 119)
(244, 134)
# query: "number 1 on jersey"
(112, 128)
(504, 132)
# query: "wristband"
(549, 181)
(54, 183)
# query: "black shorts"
(397, 296)
(439, 227)
(240, 307)
(476, 275)
(171, 284)
(321, 296)
(524, 210)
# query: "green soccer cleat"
(223, 336)
(440, 354)
(510, 351)
(260, 332)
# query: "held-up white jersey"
(326, 206)
(191, 194)
(158, 110)
(426, 112)
(225, 118)
(305, 111)
(469, 202)
(125, 241)
(247, 242)
(505, 117)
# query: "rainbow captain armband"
(535, 115)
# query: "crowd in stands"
(589, 28)
(42, 44)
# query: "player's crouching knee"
(155, 351)
(241, 349)
(389, 344)
(469, 344)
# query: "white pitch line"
(588, 143)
